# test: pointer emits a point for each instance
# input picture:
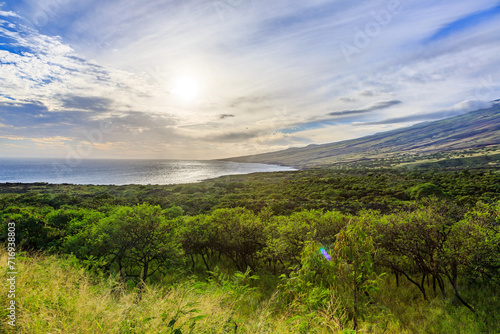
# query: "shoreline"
(135, 172)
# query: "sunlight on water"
(120, 172)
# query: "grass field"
(56, 295)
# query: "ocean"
(121, 172)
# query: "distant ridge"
(471, 130)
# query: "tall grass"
(56, 295)
(442, 315)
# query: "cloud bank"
(262, 76)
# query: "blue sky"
(217, 78)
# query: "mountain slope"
(475, 129)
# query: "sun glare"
(186, 88)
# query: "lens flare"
(325, 254)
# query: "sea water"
(120, 172)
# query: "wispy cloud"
(7, 13)
(269, 75)
(346, 99)
(369, 108)
(458, 109)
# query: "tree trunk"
(205, 262)
(192, 261)
(421, 287)
(145, 269)
(441, 286)
(454, 283)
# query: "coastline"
(125, 172)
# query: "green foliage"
(195, 234)
(475, 244)
(237, 234)
(353, 259)
(437, 242)
(238, 285)
(173, 212)
(343, 284)
(425, 190)
(438, 253)
(309, 295)
(287, 237)
(139, 240)
(32, 232)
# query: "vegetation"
(345, 190)
(452, 137)
(315, 251)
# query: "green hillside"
(477, 129)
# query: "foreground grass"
(56, 295)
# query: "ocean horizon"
(123, 172)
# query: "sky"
(209, 79)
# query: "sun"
(186, 88)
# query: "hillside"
(475, 129)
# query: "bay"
(121, 172)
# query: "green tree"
(237, 234)
(425, 190)
(139, 240)
(475, 245)
(195, 234)
(286, 238)
(353, 257)
(344, 273)
(32, 232)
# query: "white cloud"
(468, 105)
(271, 65)
(7, 14)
